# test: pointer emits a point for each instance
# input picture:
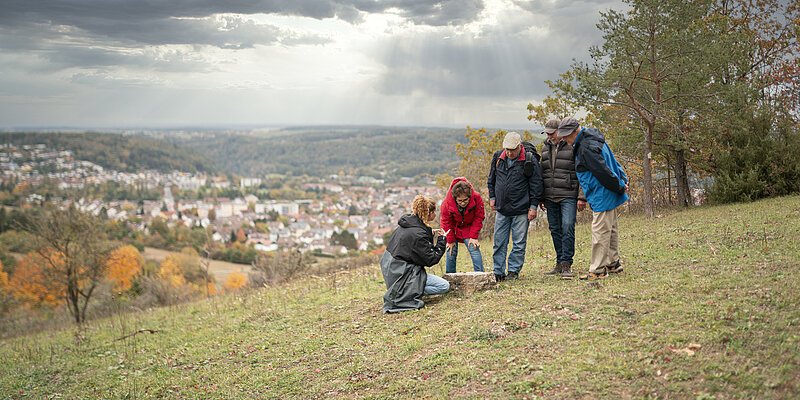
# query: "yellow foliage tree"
(3, 278)
(170, 272)
(235, 281)
(211, 289)
(5, 296)
(31, 284)
(123, 265)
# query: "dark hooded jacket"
(514, 193)
(409, 251)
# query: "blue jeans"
(517, 227)
(561, 218)
(436, 285)
(474, 252)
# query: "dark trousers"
(561, 218)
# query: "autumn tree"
(3, 278)
(74, 248)
(235, 281)
(5, 293)
(170, 272)
(32, 284)
(279, 266)
(195, 271)
(123, 265)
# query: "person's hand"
(532, 214)
(439, 231)
(449, 248)
(542, 206)
(474, 242)
(626, 188)
(581, 205)
(491, 204)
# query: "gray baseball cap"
(566, 126)
(551, 126)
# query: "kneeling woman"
(409, 251)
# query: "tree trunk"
(681, 178)
(72, 299)
(669, 181)
(647, 171)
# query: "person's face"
(553, 137)
(571, 137)
(513, 153)
(431, 213)
(462, 200)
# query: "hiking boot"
(555, 271)
(512, 276)
(499, 278)
(593, 276)
(566, 271)
(614, 268)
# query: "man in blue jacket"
(515, 190)
(604, 184)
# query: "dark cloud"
(101, 16)
(438, 13)
(566, 8)
(103, 33)
(511, 59)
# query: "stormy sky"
(125, 63)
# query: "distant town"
(366, 207)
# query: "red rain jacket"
(466, 226)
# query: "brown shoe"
(566, 271)
(601, 273)
(614, 268)
(555, 271)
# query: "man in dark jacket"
(514, 195)
(562, 197)
(605, 185)
(409, 251)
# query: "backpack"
(530, 153)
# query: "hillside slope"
(706, 308)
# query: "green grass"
(724, 278)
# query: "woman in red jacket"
(462, 214)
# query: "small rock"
(470, 282)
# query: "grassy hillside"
(707, 308)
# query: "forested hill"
(377, 151)
(321, 151)
(127, 153)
